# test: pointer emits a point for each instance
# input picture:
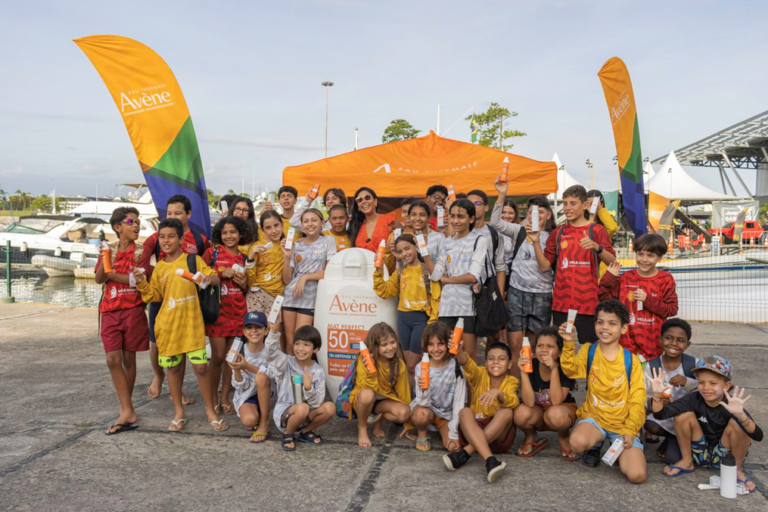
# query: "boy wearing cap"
(710, 423)
(253, 379)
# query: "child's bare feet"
(155, 388)
(378, 431)
(527, 446)
(407, 433)
(185, 400)
(362, 437)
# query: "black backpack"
(210, 297)
(490, 310)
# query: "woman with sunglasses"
(367, 228)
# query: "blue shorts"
(253, 399)
(610, 435)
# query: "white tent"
(564, 179)
(648, 173)
(672, 182)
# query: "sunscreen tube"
(505, 170)
(614, 451)
(422, 244)
(425, 371)
(267, 245)
(594, 205)
(667, 393)
(456, 338)
(528, 368)
(276, 305)
(639, 305)
(380, 254)
(238, 268)
(289, 238)
(571, 320)
(398, 232)
(367, 358)
(314, 191)
(440, 216)
(196, 278)
(236, 346)
(106, 257)
(271, 198)
(451, 193)
(535, 218)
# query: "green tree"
(491, 122)
(213, 198)
(399, 129)
(762, 215)
(43, 204)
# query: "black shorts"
(584, 324)
(450, 321)
(301, 311)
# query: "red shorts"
(499, 445)
(224, 328)
(125, 329)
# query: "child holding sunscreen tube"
(229, 264)
(179, 328)
(385, 392)
(264, 264)
(303, 266)
(441, 393)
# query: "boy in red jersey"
(647, 292)
(574, 251)
(124, 329)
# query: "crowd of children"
(525, 289)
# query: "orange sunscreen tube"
(505, 170)
(451, 193)
(276, 305)
(196, 278)
(380, 255)
(106, 257)
(236, 346)
(594, 205)
(367, 358)
(440, 216)
(289, 238)
(314, 191)
(424, 371)
(667, 393)
(571, 320)
(422, 244)
(528, 368)
(458, 331)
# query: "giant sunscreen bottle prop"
(345, 309)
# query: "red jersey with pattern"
(233, 308)
(188, 246)
(575, 267)
(119, 296)
(644, 332)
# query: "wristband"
(599, 249)
(746, 422)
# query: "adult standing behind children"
(180, 208)
(574, 251)
(123, 323)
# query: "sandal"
(310, 437)
(680, 471)
(259, 437)
(228, 409)
(423, 445)
(177, 426)
(217, 425)
(121, 427)
(744, 482)
(537, 446)
(568, 456)
(288, 439)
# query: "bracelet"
(746, 422)
(599, 249)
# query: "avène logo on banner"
(388, 169)
(620, 107)
(359, 306)
(144, 99)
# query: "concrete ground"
(56, 399)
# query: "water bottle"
(728, 477)
(298, 391)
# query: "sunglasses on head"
(366, 197)
(132, 222)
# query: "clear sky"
(251, 74)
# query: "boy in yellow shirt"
(615, 402)
(179, 328)
(486, 426)
(338, 218)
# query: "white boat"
(61, 267)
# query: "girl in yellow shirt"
(264, 266)
(385, 393)
(419, 299)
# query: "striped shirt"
(308, 258)
(446, 396)
(459, 257)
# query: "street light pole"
(327, 86)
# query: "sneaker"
(454, 461)
(494, 467)
(591, 457)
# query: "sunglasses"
(240, 210)
(360, 199)
(132, 222)
(479, 203)
(438, 198)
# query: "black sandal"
(310, 437)
(121, 427)
(288, 439)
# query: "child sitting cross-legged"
(487, 427)
(710, 423)
(547, 403)
(445, 394)
(308, 411)
(615, 402)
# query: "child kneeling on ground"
(307, 412)
(253, 379)
(709, 423)
(486, 427)
(547, 403)
(615, 402)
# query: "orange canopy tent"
(409, 167)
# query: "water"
(61, 291)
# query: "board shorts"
(584, 324)
(259, 300)
(499, 445)
(450, 321)
(198, 356)
(125, 329)
(706, 455)
(528, 311)
(608, 434)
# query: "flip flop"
(374, 418)
(228, 409)
(423, 445)
(288, 438)
(681, 471)
(310, 437)
(744, 482)
(259, 435)
(569, 456)
(121, 427)
(179, 425)
(217, 425)
(537, 446)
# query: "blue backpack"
(689, 363)
(343, 407)
(627, 362)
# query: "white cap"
(460, 323)
(425, 358)
(526, 343)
